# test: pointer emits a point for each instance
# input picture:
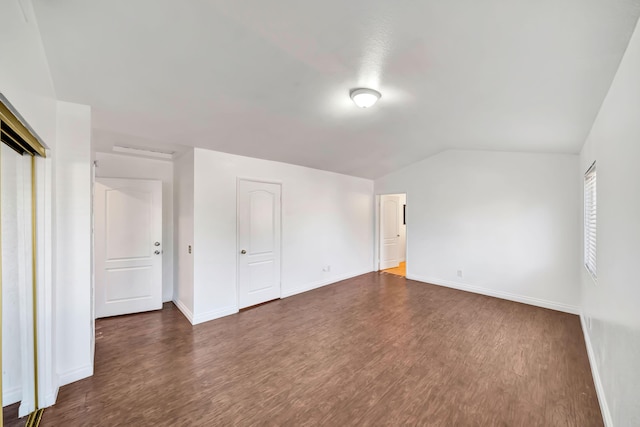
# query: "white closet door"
(17, 279)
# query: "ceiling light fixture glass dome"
(364, 97)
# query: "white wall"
(122, 166)
(507, 220)
(24, 72)
(327, 219)
(73, 242)
(183, 174)
(612, 304)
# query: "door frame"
(378, 228)
(263, 181)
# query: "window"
(590, 220)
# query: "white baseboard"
(226, 311)
(214, 314)
(204, 317)
(604, 407)
(11, 396)
(184, 309)
(553, 305)
(75, 375)
(320, 283)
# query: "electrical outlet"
(459, 273)
(326, 268)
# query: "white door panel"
(133, 208)
(16, 311)
(128, 283)
(389, 231)
(128, 246)
(259, 206)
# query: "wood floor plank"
(10, 416)
(374, 350)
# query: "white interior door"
(128, 246)
(389, 231)
(259, 206)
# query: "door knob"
(156, 244)
(157, 252)
(243, 252)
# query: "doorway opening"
(392, 232)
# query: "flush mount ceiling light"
(365, 98)
(142, 152)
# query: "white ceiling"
(271, 79)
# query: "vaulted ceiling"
(271, 79)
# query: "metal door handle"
(157, 252)
(156, 244)
(243, 252)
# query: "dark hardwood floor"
(374, 350)
(10, 416)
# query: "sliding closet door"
(17, 279)
(19, 352)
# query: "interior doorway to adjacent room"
(392, 234)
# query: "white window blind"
(590, 216)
